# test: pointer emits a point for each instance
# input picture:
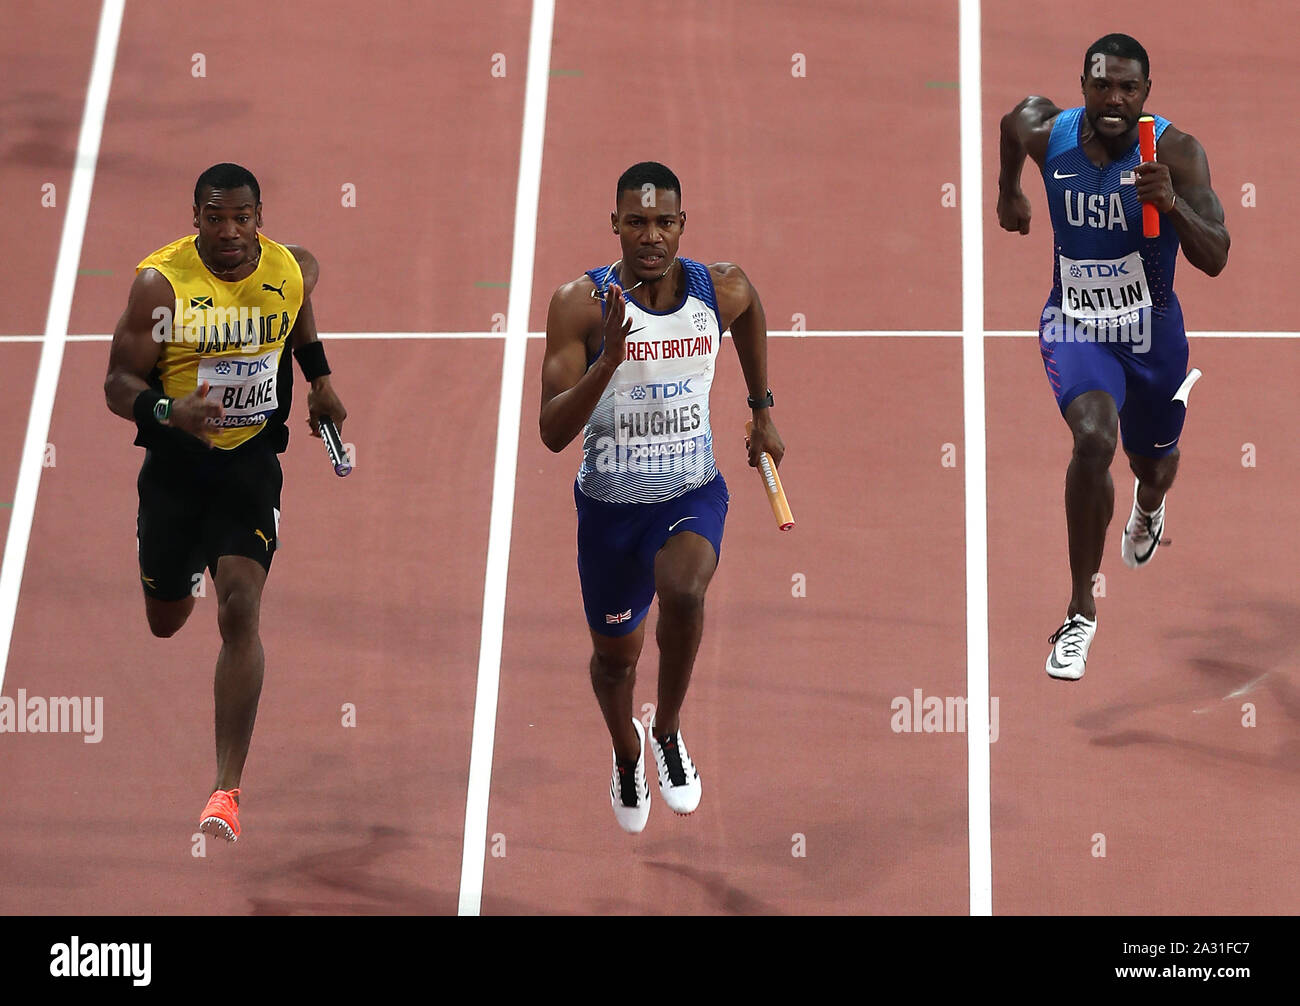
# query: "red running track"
(1152, 752)
(377, 598)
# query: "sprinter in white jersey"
(630, 351)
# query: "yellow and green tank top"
(228, 334)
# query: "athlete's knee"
(167, 618)
(1093, 419)
(682, 598)
(1096, 437)
(165, 626)
(610, 670)
(1157, 473)
(238, 608)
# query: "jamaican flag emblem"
(200, 303)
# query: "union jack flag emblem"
(625, 616)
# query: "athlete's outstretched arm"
(322, 400)
(135, 351)
(571, 389)
(1025, 132)
(1182, 170)
(742, 312)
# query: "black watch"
(162, 410)
(763, 403)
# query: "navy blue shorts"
(618, 542)
(1142, 384)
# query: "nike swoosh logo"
(1170, 444)
(635, 330)
(1058, 176)
(672, 527)
(1051, 658)
(1155, 543)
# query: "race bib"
(244, 386)
(660, 420)
(1104, 290)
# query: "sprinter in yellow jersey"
(198, 363)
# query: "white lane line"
(845, 333)
(56, 321)
(885, 333)
(977, 555)
(527, 198)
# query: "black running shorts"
(196, 508)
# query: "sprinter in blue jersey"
(1111, 333)
(630, 352)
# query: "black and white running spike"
(1070, 645)
(629, 792)
(679, 780)
(1142, 534)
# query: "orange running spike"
(221, 816)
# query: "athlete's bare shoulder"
(727, 272)
(309, 266)
(577, 299)
(735, 292)
(151, 288)
(1031, 123)
(150, 291)
(574, 313)
(576, 291)
(1175, 145)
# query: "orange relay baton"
(1147, 145)
(772, 485)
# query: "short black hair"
(1123, 46)
(226, 176)
(648, 173)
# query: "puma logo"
(258, 532)
(276, 289)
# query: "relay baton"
(1147, 144)
(334, 447)
(772, 484)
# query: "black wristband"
(763, 403)
(144, 406)
(311, 358)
